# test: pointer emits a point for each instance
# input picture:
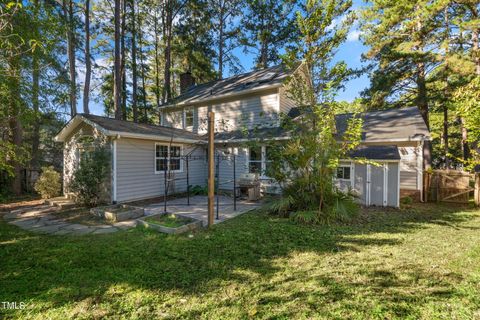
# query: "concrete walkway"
(38, 219)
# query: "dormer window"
(188, 118)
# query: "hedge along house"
(247, 107)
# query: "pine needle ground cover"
(421, 262)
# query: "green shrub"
(305, 217)
(88, 181)
(199, 190)
(406, 200)
(343, 206)
(48, 184)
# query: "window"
(258, 161)
(343, 173)
(255, 160)
(188, 116)
(168, 158)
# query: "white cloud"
(354, 35)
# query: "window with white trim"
(343, 172)
(168, 157)
(258, 161)
(188, 118)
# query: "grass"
(169, 220)
(422, 262)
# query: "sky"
(350, 52)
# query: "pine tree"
(268, 26)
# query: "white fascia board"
(419, 139)
(372, 160)
(151, 137)
(222, 96)
(248, 140)
(72, 124)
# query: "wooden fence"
(452, 186)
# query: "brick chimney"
(186, 81)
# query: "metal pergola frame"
(186, 161)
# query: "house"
(246, 106)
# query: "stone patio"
(198, 208)
(39, 219)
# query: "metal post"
(211, 169)
(165, 191)
(218, 179)
(234, 185)
(188, 183)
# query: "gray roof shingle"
(140, 128)
(257, 79)
(391, 124)
(375, 152)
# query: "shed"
(373, 174)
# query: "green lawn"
(417, 263)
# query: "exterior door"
(376, 185)
(360, 182)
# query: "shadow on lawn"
(60, 270)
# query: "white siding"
(173, 119)
(285, 102)
(136, 178)
(226, 166)
(409, 167)
(250, 111)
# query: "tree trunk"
(157, 70)
(15, 124)
(422, 101)
(88, 61)
(475, 43)
(142, 68)
(69, 17)
(134, 65)
(117, 79)
(167, 38)
(220, 43)
(122, 61)
(446, 93)
(35, 99)
(465, 146)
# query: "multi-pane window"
(258, 161)
(168, 157)
(188, 118)
(343, 173)
(255, 160)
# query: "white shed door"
(377, 187)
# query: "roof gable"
(251, 81)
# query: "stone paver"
(126, 224)
(105, 230)
(38, 219)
